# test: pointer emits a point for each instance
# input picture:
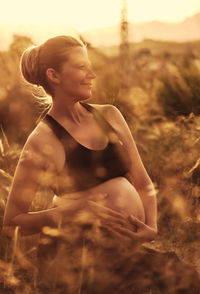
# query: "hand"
(117, 225)
(80, 208)
(143, 233)
(106, 215)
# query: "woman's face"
(76, 75)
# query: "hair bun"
(30, 63)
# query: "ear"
(52, 75)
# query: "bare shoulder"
(104, 107)
(112, 114)
(41, 145)
(109, 111)
(38, 138)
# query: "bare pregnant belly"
(122, 197)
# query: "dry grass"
(91, 260)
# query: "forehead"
(78, 54)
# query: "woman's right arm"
(29, 175)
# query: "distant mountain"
(186, 30)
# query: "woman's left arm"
(137, 174)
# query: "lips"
(87, 84)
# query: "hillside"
(187, 30)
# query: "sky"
(86, 15)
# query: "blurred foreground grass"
(170, 151)
(161, 106)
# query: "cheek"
(71, 82)
(77, 80)
(78, 74)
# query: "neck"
(67, 108)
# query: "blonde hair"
(35, 60)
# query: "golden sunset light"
(99, 146)
(91, 14)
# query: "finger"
(106, 215)
(140, 236)
(110, 220)
(134, 220)
(114, 233)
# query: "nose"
(91, 73)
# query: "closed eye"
(84, 65)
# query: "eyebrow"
(83, 62)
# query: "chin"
(85, 96)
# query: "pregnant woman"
(84, 152)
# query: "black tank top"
(85, 168)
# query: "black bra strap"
(61, 132)
(99, 118)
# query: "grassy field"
(161, 104)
